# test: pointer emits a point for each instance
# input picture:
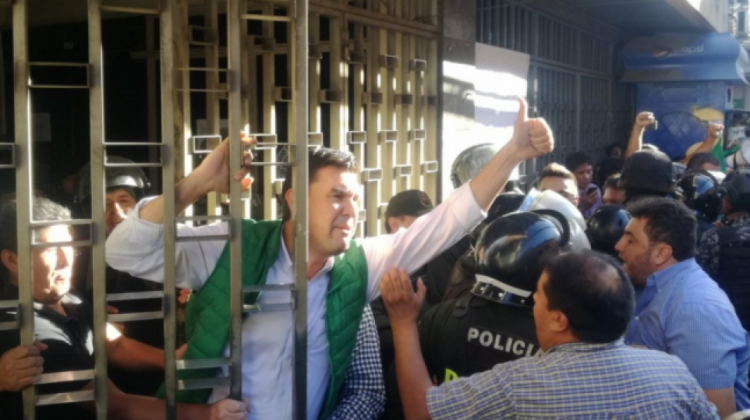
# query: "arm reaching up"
(643, 120)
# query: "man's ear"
(10, 261)
(559, 322)
(663, 254)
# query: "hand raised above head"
(644, 119)
(531, 137)
(715, 131)
(401, 302)
(214, 170)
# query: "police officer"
(647, 173)
(125, 186)
(699, 191)
(470, 162)
(495, 322)
(724, 251)
(605, 228)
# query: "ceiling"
(643, 17)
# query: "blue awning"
(685, 57)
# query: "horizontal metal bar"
(269, 288)
(402, 170)
(265, 18)
(6, 304)
(273, 307)
(202, 363)
(134, 10)
(430, 167)
(43, 245)
(139, 316)
(203, 238)
(35, 86)
(194, 143)
(48, 223)
(222, 218)
(417, 134)
(70, 376)
(9, 325)
(56, 64)
(133, 165)
(387, 136)
(189, 384)
(133, 143)
(356, 137)
(65, 398)
(373, 174)
(116, 297)
(224, 90)
(205, 69)
(285, 164)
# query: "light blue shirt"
(136, 247)
(681, 311)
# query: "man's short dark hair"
(558, 171)
(574, 160)
(612, 147)
(593, 292)
(668, 221)
(699, 159)
(612, 182)
(318, 158)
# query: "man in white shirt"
(136, 247)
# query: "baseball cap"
(649, 170)
(409, 203)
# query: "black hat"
(648, 170)
(409, 203)
(605, 228)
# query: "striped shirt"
(681, 311)
(577, 381)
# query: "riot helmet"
(470, 162)
(130, 178)
(511, 252)
(736, 189)
(699, 191)
(553, 201)
(605, 228)
(648, 171)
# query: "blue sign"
(685, 57)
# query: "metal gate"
(572, 81)
(360, 76)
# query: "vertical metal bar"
(434, 120)
(234, 84)
(387, 110)
(211, 22)
(22, 107)
(152, 104)
(167, 41)
(300, 211)
(374, 124)
(182, 149)
(269, 120)
(339, 81)
(3, 116)
(98, 136)
(315, 75)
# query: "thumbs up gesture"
(532, 137)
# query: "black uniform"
(70, 346)
(469, 335)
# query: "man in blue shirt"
(682, 311)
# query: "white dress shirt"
(136, 247)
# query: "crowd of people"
(612, 289)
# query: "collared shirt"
(709, 249)
(136, 247)
(363, 394)
(681, 311)
(577, 381)
(70, 347)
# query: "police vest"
(472, 335)
(733, 274)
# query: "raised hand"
(715, 131)
(531, 137)
(402, 303)
(214, 170)
(644, 119)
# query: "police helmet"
(736, 189)
(606, 226)
(511, 252)
(131, 178)
(699, 191)
(470, 162)
(551, 200)
(678, 170)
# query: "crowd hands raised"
(495, 304)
